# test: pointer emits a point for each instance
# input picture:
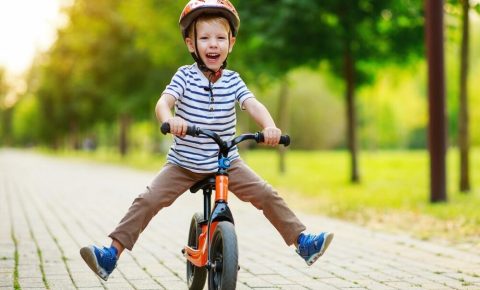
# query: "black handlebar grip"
(165, 128)
(191, 130)
(284, 139)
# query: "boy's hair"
(210, 18)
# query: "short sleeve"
(177, 85)
(242, 93)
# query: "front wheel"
(196, 276)
(224, 258)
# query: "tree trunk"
(283, 121)
(6, 126)
(436, 100)
(351, 114)
(463, 134)
(74, 139)
(123, 142)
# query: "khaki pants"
(173, 180)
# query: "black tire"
(224, 257)
(196, 276)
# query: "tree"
(463, 134)
(3, 86)
(5, 109)
(464, 7)
(94, 72)
(436, 100)
(354, 36)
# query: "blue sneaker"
(312, 247)
(102, 261)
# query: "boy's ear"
(190, 45)
(232, 42)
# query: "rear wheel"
(196, 276)
(224, 258)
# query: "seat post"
(207, 197)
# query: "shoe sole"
(88, 255)
(328, 239)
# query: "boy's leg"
(117, 245)
(248, 186)
(170, 183)
(166, 187)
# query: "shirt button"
(211, 109)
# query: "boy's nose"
(213, 43)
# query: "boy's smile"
(213, 43)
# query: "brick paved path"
(49, 208)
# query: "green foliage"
(157, 35)
(100, 67)
(393, 108)
(304, 32)
(315, 105)
(115, 57)
(143, 136)
(276, 36)
(26, 125)
(453, 34)
(473, 88)
(3, 87)
(157, 31)
(4, 111)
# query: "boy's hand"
(178, 126)
(271, 135)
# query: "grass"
(393, 193)
(42, 268)
(16, 283)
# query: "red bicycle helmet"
(196, 7)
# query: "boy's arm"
(163, 111)
(262, 117)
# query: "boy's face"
(212, 43)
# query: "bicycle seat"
(207, 183)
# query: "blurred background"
(342, 78)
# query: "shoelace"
(308, 244)
(108, 257)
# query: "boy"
(204, 94)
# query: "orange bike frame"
(199, 257)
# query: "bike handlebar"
(284, 139)
(195, 131)
(191, 130)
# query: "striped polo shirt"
(208, 106)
